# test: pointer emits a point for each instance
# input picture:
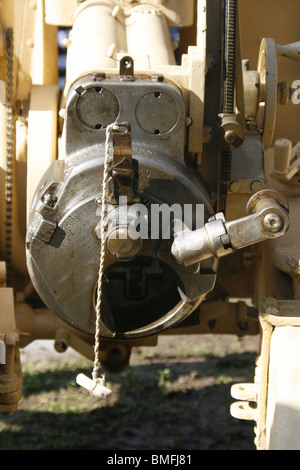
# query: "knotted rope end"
(95, 387)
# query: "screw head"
(230, 137)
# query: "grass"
(155, 405)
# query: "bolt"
(273, 223)
(234, 186)
(188, 121)
(62, 113)
(256, 185)
(30, 42)
(225, 239)
(49, 200)
(230, 137)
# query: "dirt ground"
(173, 396)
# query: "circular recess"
(157, 113)
(137, 293)
(97, 107)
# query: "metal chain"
(9, 152)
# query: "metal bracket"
(126, 70)
(123, 169)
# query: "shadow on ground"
(156, 405)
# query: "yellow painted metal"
(101, 34)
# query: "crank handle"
(267, 219)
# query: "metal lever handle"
(267, 218)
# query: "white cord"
(102, 256)
(96, 385)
